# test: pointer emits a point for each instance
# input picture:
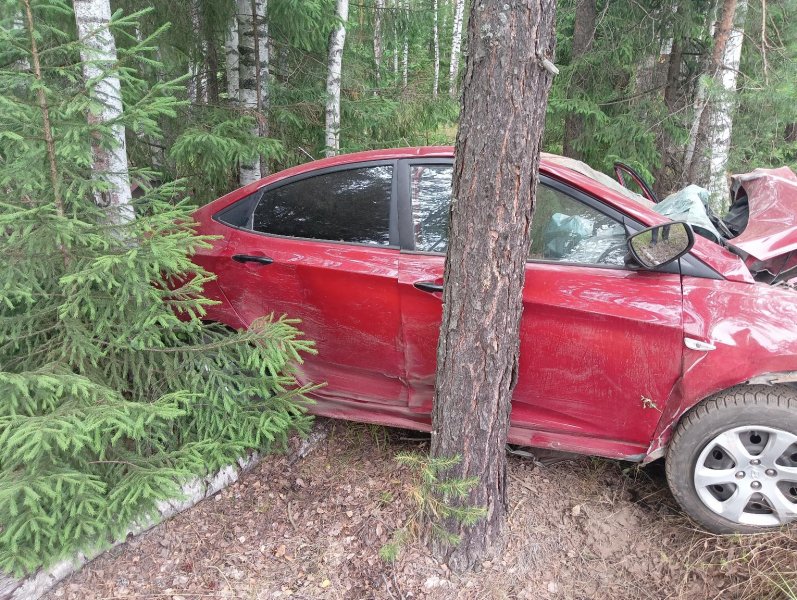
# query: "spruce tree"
(112, 389)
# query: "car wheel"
(732, 461)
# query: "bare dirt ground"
(579, 528)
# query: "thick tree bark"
(696, 161)
(721, 117)
(583, 36)
(456, 47)
(337, 40)
(504, 98)
(98, 55)
(667, 174)
(436, 42)
(379, 8)
(232, 60)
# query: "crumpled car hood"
(771, 227)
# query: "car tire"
(732, 461)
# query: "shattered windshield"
(689, 204)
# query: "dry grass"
(582, 528)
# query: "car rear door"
(323, 247)
(601, 344)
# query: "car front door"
(323, 248)
(600, 343)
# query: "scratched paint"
(594, 341)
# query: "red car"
(640, 340)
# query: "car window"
(563, 228)
(430, 192)
(351, 205)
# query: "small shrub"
(432, 503)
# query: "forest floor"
(578, 528)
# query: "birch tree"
(456, 47)
(197, 85)
(379, 8)
(253, 82)
(436, 42)
(395, 38)
(337, 40)
(721, 118)
(696, 156)
(98, 57)
(405, 55)
(232, 62)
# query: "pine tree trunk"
(666, 175)
(405, 55)
(505, 92)
(232, 60)
(337, 40)
(456, 46)
(696, 161)
(92, 18)
(721, 117)
(248, 91)
(44, 107)
(379, 8)
(583, 36)
(436, 42)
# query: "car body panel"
(603, 365)
(598, 341)
(753, 329)
(771, 229)
(346, 297)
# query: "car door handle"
(428, 286)
(245, 258)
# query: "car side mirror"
(657, 246)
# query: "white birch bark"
(232, 60)
(98, 55)
(379, 8)
(405, 57)
(721, 122)
(337, 40)
(248, 81)
(456, 46)
(436, 41)
(395, 38)
(262, 66)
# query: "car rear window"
(351, 205)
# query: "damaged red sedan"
(650, 329)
